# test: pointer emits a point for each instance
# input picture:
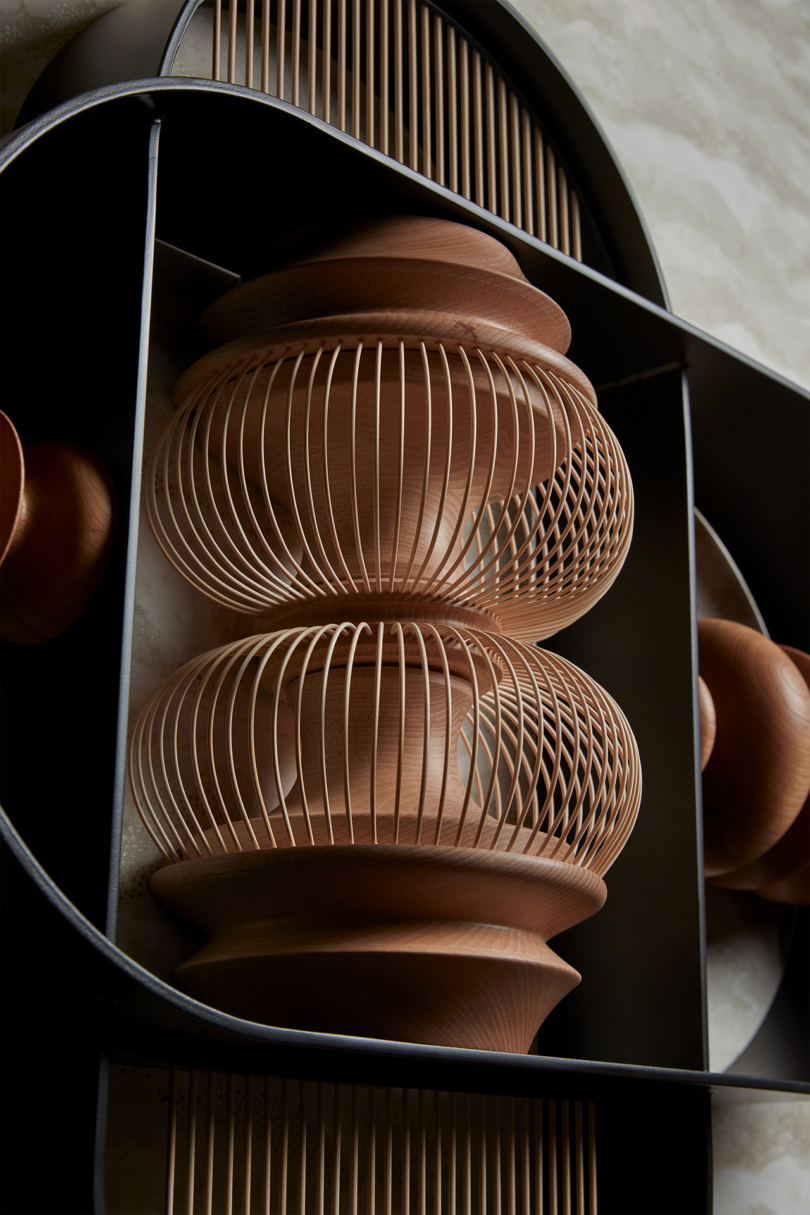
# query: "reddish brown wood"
(789, 855)
(759, 774)
(708, 722)
(61, 541)
(439, 945)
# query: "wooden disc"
(758, 776)
(708, 722)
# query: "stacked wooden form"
(381, 808)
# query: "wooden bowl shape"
(333, 467)
(758, 776)
(782, 872)
(56, 527)
(441, 801)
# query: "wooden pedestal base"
(444, 946)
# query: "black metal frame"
(76, 310)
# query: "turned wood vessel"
(379, 810)
(57, 514)
(758, 777)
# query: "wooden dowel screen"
(455, 117)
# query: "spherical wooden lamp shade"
(443, 452)
(379, 810)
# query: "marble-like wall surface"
(707, 105)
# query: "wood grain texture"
(439, 945)
(61, 543)
(790, 854)
(708, 722)
(758, 776)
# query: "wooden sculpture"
(756, 784)
(380, 809)
(708, 722)
(57, 512)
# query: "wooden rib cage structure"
(405, 79)
(394, 466)
(260, 1144)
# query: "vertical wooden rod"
(497, 1156)
(268, 1144)
(372, 1150)
(370, 6)
(422, 1160)
(580, 1160)
(388, 1173)
(528, 204)
(312, 65)
(551, 176)
(342, 64)
(452, 1155)
(230, 1144)
(452, 106)
(540, 171)
(399, 68)
(525, 1160)
(320, 1177)
(511, 1175)
(592, 1159)
(281, 47)
(326, 61)
(438, 81)
(233, 12)
(406, 1151)
(467, 1154)
(285, 1148)
(426, 109)
(503, 148)
(217, 50)
(355, 1154)
(413, 92)
(565, 239)
(552, 1158)
(517, 171)
(248, 1159)
(538, 1157)
(478, 128)
(265, 81)
(337, 1137)
(209, 1138)
(437, 1153)
(250, 20)
(192, 1142)
(482, 1154)
(303, 1088)
(492, 163)
(576, 224)
(356, 74)
(384, 87)
(566, 1158)
(296, 51)
(171, 1155)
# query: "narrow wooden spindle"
(452, 1155)
(518, 171)
(233, 13)
(427, 150)
(296, 52)
(505, 210)
(388, 1174)
(406, 1151)
(399, 71)
(466, 146)
(528, 203)
(209, 1137)
(482, 1154)
(268, 1145)
(566, 1158)
(413, 93)
(497, 1159)
(320, 1175)
(551, 183)
(171, 1153)
(539, 1205)
(384, 76)
(372, 1150)
(285, 1148)
(452, 107)
(478, 128)
(437, 1152)
(526, 1159)
(580, 1160)
(303, 1092)
(438, 75)
(511, 1172)
(355, 1150)
(565, 239)
(576, 224)
(192, 1142)
(312, 58)
(552, 1158)
(337, 1145)
(592, 1195)
(230, 1143)
(540, 177)
(370, 74)
(250, 18)
(356, 73)
(247, 1166)
(326, 62)
(492, 143)
(342, 64)
(281, 47)
(265, 70)
(217, 50)
(422, 1149)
